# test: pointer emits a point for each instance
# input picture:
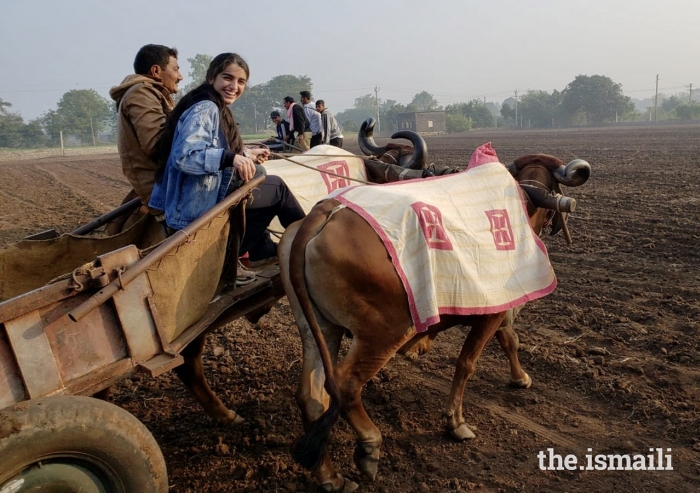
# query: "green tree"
(15, 133)
(672, 102)
(10, 126)
(350, 126)
(251, 113)
(539, 108)
(688, 111)
(475, 112)
(367, 102)
(81, 113)
(358, 115)
(261, 99)
(598, 96)
(198, 71)
(424, 101)
(457, 122)
(364, 108)
(390, 111)
(508, 109)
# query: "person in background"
(314, 117)
(298, 124)
(201, 160)
(144, 101)
(282, 127)
(332, 133)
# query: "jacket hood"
(117, 92)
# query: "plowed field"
(614, 352)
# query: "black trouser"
(337, 141)
(271, 199)
(316, 139)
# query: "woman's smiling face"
(230, 83)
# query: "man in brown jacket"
(144, 100)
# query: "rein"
(286, 156)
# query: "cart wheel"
(70, 444)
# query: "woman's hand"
(244, 166)
(258, 155)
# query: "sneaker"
(243, 275)
(265, 261)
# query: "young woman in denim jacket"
(204, 160)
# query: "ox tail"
(309, 449)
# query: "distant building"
(423, 122)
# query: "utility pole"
(376, 104)
(516, 108)
(656, 95)
(255, 113)
(92, 129)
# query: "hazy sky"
(457, 50)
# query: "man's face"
(286, 105)
(171, 76)
(320, 107)
(276, 119)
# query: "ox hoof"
(462, 432)
(523, 383)
(412, 355)
(347, 486)
(366, 458)
(231, 418)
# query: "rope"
(325, 171)
(372, 158)
(284, 156)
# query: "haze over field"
(455, 50)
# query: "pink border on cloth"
(484, 154)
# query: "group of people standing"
(182, 159)
(308, 124)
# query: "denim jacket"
(192, 182)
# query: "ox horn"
(365, 138)
(420, 149)
(574, 174)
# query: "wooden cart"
(126, 310)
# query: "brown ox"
(333, 288)
(400, 158)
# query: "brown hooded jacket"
(143, 104)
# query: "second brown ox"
(338, 276)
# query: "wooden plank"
(100, 378)
(231, 305)
(34, 356)
(11, 385)
(43, 235)
(161, 364)
(33, 300)
(133, 308)
(45, 295)
(85, 346)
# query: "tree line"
(84, 117)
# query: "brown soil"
(614, 352)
